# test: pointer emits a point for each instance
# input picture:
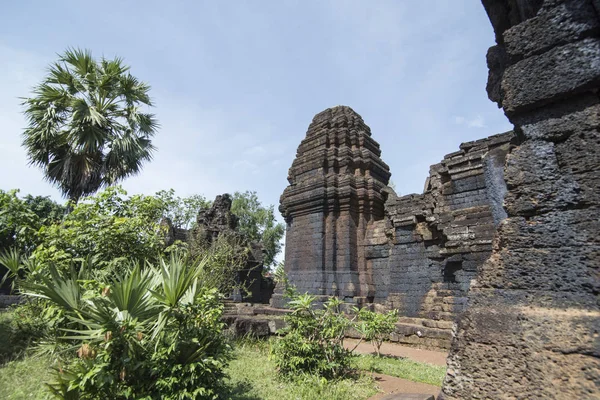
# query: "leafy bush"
(227, 256)
(258, 223)
(151, 333)
(376, 327)
(313, 341)
(108, 227)
(20, 221)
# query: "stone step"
(7, 300)
(416, 334)
(429, 323)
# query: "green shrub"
(313, 341)
(151, 333)
(376, 327)
(109, 227)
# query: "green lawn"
(21, 376)
(403, 368)
(24, 379)
(252, 375)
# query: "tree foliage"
(108, 227)
(182, 211)
(258, 223)
(86, 128)
(20, 219)
(18, 222)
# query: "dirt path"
(396, 350)
(391, 385)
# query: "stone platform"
(260, 321)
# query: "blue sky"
(236, 83)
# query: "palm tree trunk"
(73, 200)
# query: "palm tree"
(85, 126)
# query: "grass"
(252, 375)
(21, 376)
(24, 379)
(403, 368)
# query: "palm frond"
(12, 260)
(85, 127)
(63, 291)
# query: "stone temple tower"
(337, 190)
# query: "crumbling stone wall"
(350, 236)
(429, 247)
(532, 325)
(216, 221)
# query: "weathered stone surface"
(336, 194)
(555, 24)
(558, 121)
(538, 184)
(211, 224)
(249, 327)
(408, 396)
(7, 300)
(531, 328)
(435, 243)
(544, 78)
(505, 13)
(496, 62)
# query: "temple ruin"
(350, 236)
(502, 246)
(218, 221)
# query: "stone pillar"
(532, 325)
(335, 194)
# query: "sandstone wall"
(429, 247)
(532, 325)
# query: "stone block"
(554, 25)
(558, 121)
(542, 79)
(495, 371)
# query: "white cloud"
(243, 167)
(476, 122)
(255, 151)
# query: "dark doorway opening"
(450, 270)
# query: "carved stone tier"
(336, 192)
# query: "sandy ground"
(393, 349)
(391, 384)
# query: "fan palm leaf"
(86, 124)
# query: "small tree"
(376, 327)
(182, 211)
(85, 126)
(258, 223)
(314, 340)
